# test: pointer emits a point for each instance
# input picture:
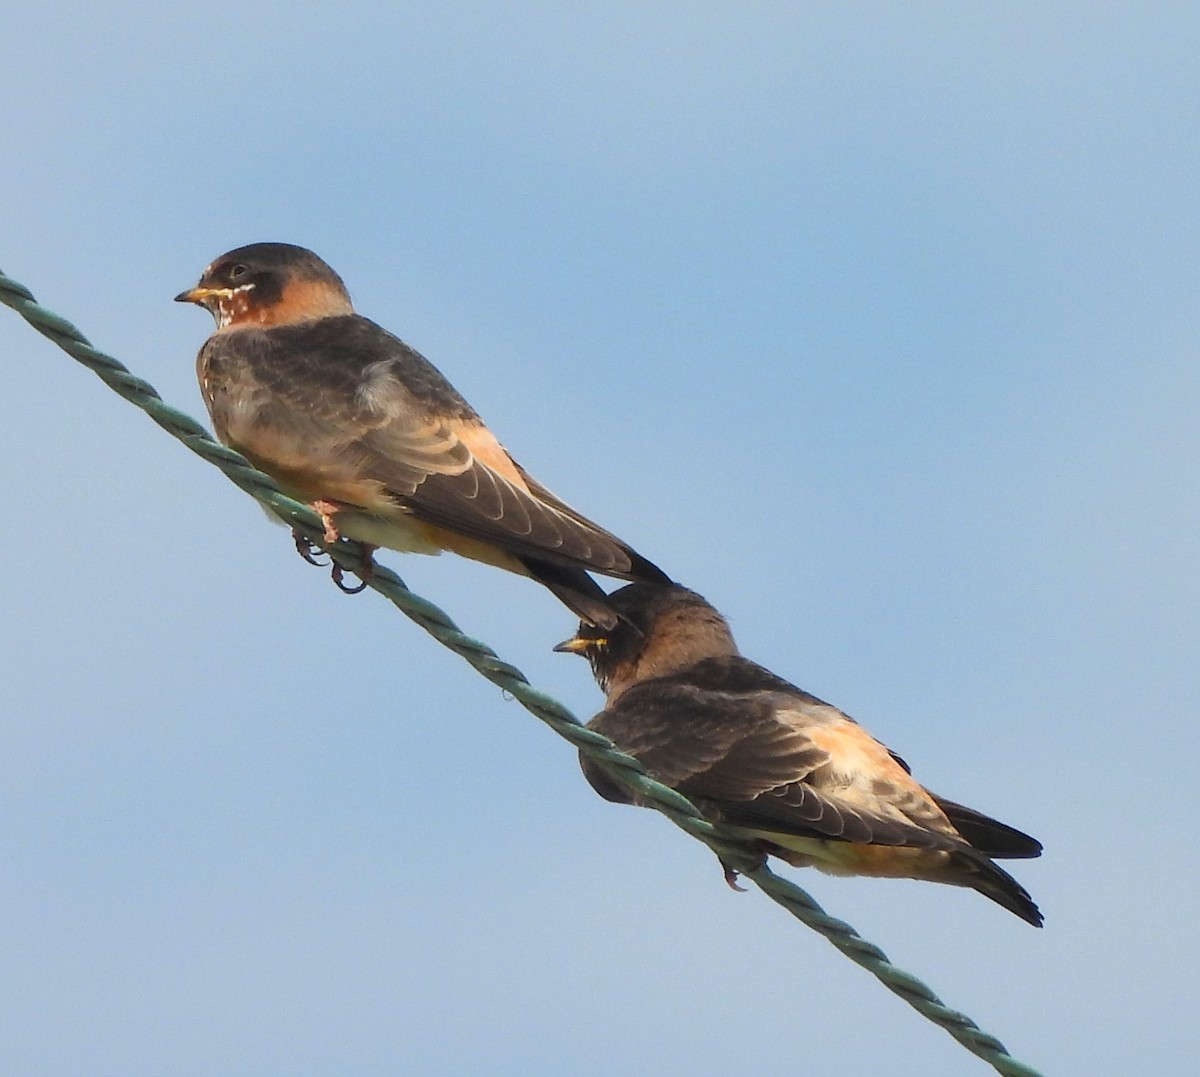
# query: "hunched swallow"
(349, 418)
(772, 763)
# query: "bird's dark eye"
(236, 271)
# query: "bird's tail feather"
(990, 836)
(993, 882)
(575, 589)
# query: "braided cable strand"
(735, 852)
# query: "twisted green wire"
(737, 853)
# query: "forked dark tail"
(979, 873)
(582, 595)
(575, 589)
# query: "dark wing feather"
(343, 397)
(640, 568)
(482, 504)
(750, 759)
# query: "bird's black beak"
(581, 644)
(574, 645)
(199, 294)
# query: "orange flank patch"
(487, 552)
(848, 858)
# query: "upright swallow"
(346, 416)
(773, 763)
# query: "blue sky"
(875, 324)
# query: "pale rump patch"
(862, 773)
(853, 752)
(483, 446)
(865, 773)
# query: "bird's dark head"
(660, 629)
(268, 284)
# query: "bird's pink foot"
(327, 510)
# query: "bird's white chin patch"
(232, 305)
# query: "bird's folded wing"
(453, 473)
(772, 761)
(347, 407)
